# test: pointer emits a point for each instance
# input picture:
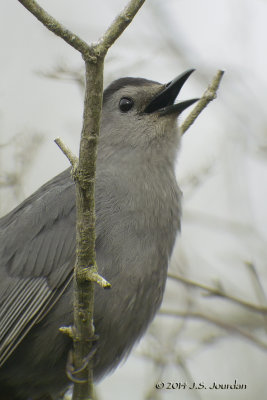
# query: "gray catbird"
(137, 218)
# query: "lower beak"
(164, 101)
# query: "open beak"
(164, 101)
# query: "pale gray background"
(221, 166)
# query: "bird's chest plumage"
(137, 222)
(136, 212)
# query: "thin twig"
(258, 288)
(217, 322)
(257, 283)
(110, 36)
(219, 293)
(120, 24)
(181, 362)
(207, 97)
(68, 153)
(54, 26)
(90, 274)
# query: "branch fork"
(83, 170)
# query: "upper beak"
(164, 101)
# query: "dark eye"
(125, 104)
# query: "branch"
(106, 41)
(54, 26)
(217, 322)
(68, 153)
(85, 270)
(256, 282)
(258, 288)
(120, 24)
(220, 293)
(209, 95)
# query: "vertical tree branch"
(85, 200)
(85, 271)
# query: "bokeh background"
(221, 168)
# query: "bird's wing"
(37, 254)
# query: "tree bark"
(85, 270)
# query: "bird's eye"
(125, 104)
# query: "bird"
(138, 216)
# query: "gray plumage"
(137, 219)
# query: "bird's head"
(142, 114)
